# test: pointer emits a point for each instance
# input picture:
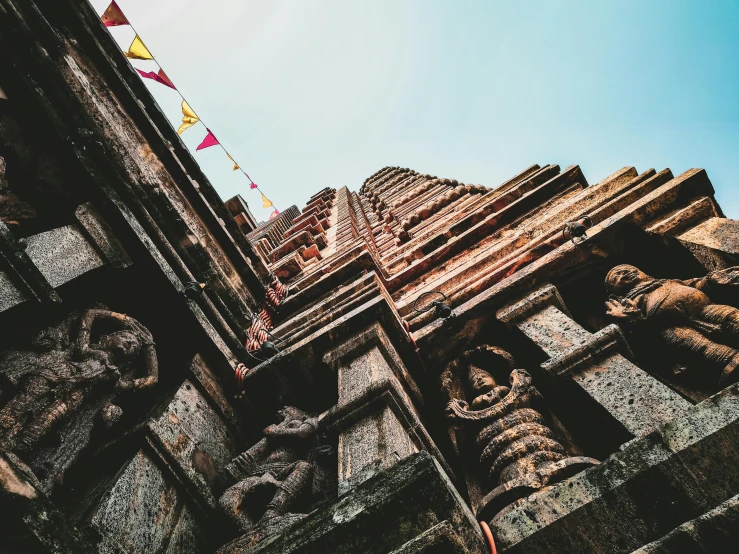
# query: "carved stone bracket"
(597, 363)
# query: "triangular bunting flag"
(160, 77)
(274, 214)
(188, 118)
(113, 16)
(266, 202)
(236, 166)
(138, 51)
(253, 186)
(208, 141)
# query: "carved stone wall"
(288, 386)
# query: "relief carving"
(67, 382)
(508, 428)
(701, 336)
(278, 480)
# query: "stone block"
(715, 242)
(381, 515)
(655, 483)
(288, 266)
(303, 238)
(597, 362)
(144, 512)
(62, 254)
(193, 438)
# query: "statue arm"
(728, 277)
(88, 319)
(84, 349)
(151, 368)
(305, 431)
(624, 310)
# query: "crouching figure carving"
(67, 381)
(698, 332)
(277, 481)
(518, 451)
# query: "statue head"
(479, 380)
(124, 345)
(622, 278)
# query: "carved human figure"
(65, 374)
(275, 475)
(517, 449)
(698, 331)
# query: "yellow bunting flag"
(236, 166)
(138, 51)
(188, 118)
(266, 202)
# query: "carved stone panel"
(67, 382)
(277, 481)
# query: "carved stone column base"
(502, 499)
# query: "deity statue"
(517, 449)
(681, 314)
(66, 382)
(274, 482)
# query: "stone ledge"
(382, 514)
(657, 482)
(603, 344)
(714, 531)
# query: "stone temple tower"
(411, 364)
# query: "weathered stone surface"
(374, 412)
(194, 438)
(62, 254)
(715, 531)
(715, 242)
(657, 482)
(145, 513)
(10, 294)
(69, 381)
(382, 514)
(29, 522)
(106, 143)
(593, 362)
(102, 236)
(440, 539)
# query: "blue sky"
(308, 94)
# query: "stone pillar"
(595, 362)
(375, 417)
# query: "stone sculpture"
(276, 479)
(698, 332)
(518, 452)
(66, 382)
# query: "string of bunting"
(114, 17)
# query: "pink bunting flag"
(274, 214)
(253, 186)
(208, 141)
(160, 77)
(113, 16)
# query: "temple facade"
(407, 365)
